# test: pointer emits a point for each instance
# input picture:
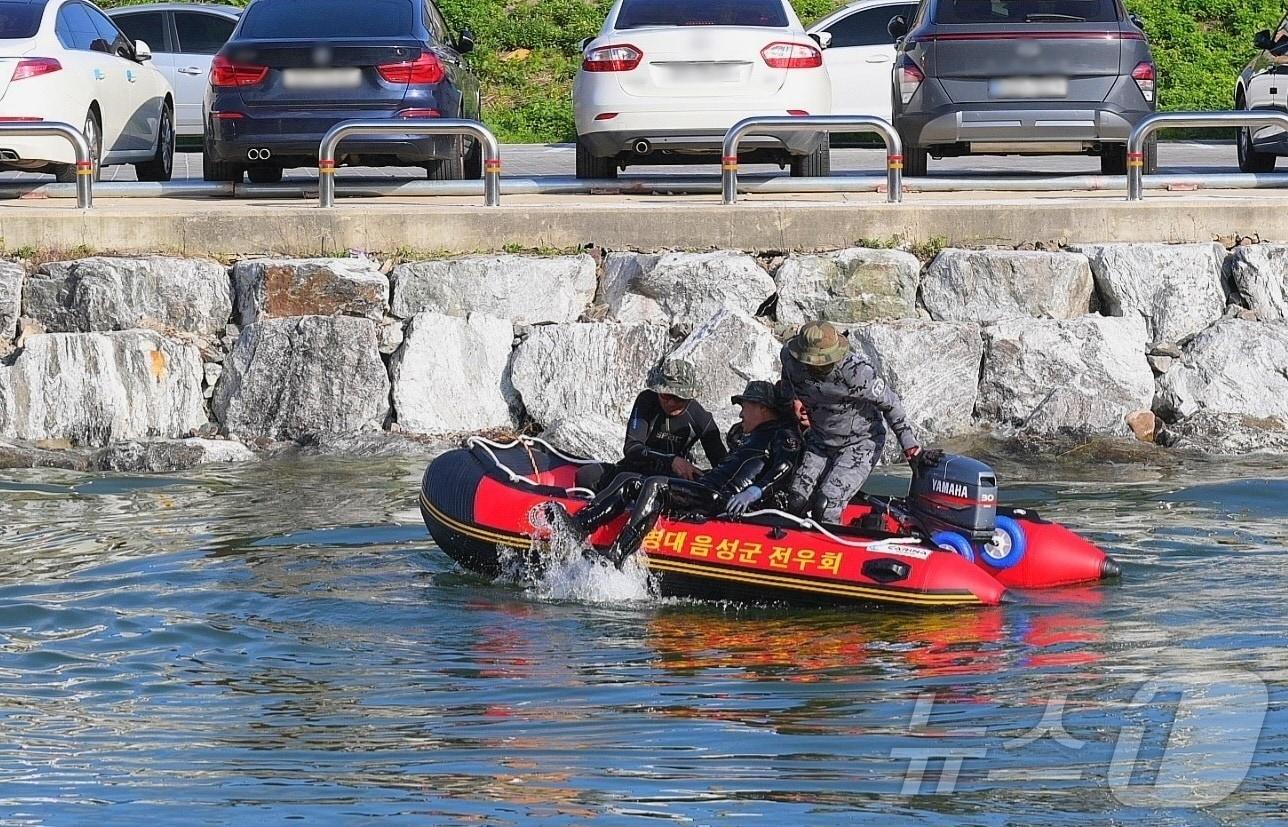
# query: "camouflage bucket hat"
(674, 378)
(761, 392)
(818, 344)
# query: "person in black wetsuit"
(665, 425)
(757, 470)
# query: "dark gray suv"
(1021, 77)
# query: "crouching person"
(757, 471)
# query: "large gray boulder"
(523, 289)
(692, 287)
(96, 388)
(289, 377)
(855, 285)
(11, 278)
(101, 294)
(1082, 376)
(591, 436)
(1234, 367)
(276, 288)
(571, 370)
(932, 366)
(452, 374)
(1260, 274)
(1175, 288)
(991, 285)
(166, 455)
(617, 289)
(726, 352)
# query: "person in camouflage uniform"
(837, 392)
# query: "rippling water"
(283, 641)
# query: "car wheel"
(818, 164)
(161, 167)
(1113, 159)
(1250, 160)
(222, 171)
(265, 175)
(592, 166)
(66, 173)
(474, 161)
(448, 169)
(916, 162)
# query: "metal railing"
(80, 146)
(770, 125)
(411, 126)
(1170, 120)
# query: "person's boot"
(557, 517)
(627, 543)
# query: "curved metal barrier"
(411, 126)
(767, 124)
(1170, 120)
(73, 136)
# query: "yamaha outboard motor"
(955, 493)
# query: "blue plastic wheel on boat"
(1008, 545)
(951, 541)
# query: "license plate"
(321, 78)
(1029, 88)
(685, 73)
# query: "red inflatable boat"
(477, 502)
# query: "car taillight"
(1143, 74)
(407, 114)
(791, 56)
(910, 80)
(424, 69)
(224, 73)
(618, 58)
(35, 67)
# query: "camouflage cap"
(760, 392)
(818, 344)
(675, 378)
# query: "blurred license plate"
(1029, 88)
(321, 78)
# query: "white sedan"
(860, 57)
(665, 79)
(64, 60)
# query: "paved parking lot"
(526, 160)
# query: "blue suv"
(295, 68)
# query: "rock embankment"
(148, 363)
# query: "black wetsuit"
(654, 440)
(765, 458)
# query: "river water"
(282, 641)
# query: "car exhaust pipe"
(259, 154)
(642, 147)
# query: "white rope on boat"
(811, 525)
(527, 442)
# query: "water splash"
(562, 566)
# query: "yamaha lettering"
(950, 488)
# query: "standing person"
(755, 472)
(847, 406)
(666, 423)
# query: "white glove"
(740, 502)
